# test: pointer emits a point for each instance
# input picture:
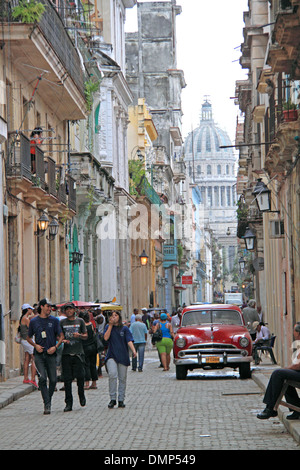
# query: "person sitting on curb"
(276, 383)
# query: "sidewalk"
(13, 389)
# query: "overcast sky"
(209, 36)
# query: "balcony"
(45, 55)
(45, 187)
(170, 256)
(87, 169)
(283, 53)
(281, 154)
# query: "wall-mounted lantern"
(249, 238)
(143, 258)
(76, 256)
(53, 229)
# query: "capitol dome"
(207, 139)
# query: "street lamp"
(76, 257)
(42, 225)
(242, 264)
(143, 258)
(53, 229)
(262, 196)
(249, 238)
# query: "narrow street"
(208, 411)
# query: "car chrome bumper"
(209, 360)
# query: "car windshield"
(200, 317)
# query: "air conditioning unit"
(276, 229)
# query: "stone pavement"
(216, 412)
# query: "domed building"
(213, 170)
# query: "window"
(219, 169)
(209, 196)
(228, 196)
(216, 196)
(208, 170)
(200, 317)
(222, 195)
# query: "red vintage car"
(212, 336)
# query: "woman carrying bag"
(165, 346)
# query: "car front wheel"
(181, 372)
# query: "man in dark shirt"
(46, 331)
(73, 360)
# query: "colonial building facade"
(269, 159)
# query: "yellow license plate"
(212, 359)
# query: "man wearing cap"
(73, 359)
(48, 336)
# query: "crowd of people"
(67, 343)
(73, 341)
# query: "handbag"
(157, 336)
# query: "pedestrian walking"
(139, 332)
(90, 353)
(27, 314)
(132, 318)
(117, 359)
(165, 346)
(47, 338)
(73, 359)
(276, 382)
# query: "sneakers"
(112, 403)
(121, 404)
(267, 413)
(33, 382)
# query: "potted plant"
(290, 112)
(28, 12)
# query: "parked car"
(212, 336)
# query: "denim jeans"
(140, 349)
(46, 368)
(116, 371)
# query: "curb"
(10, 395)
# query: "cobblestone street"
(208, 411)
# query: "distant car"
(212, 336)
